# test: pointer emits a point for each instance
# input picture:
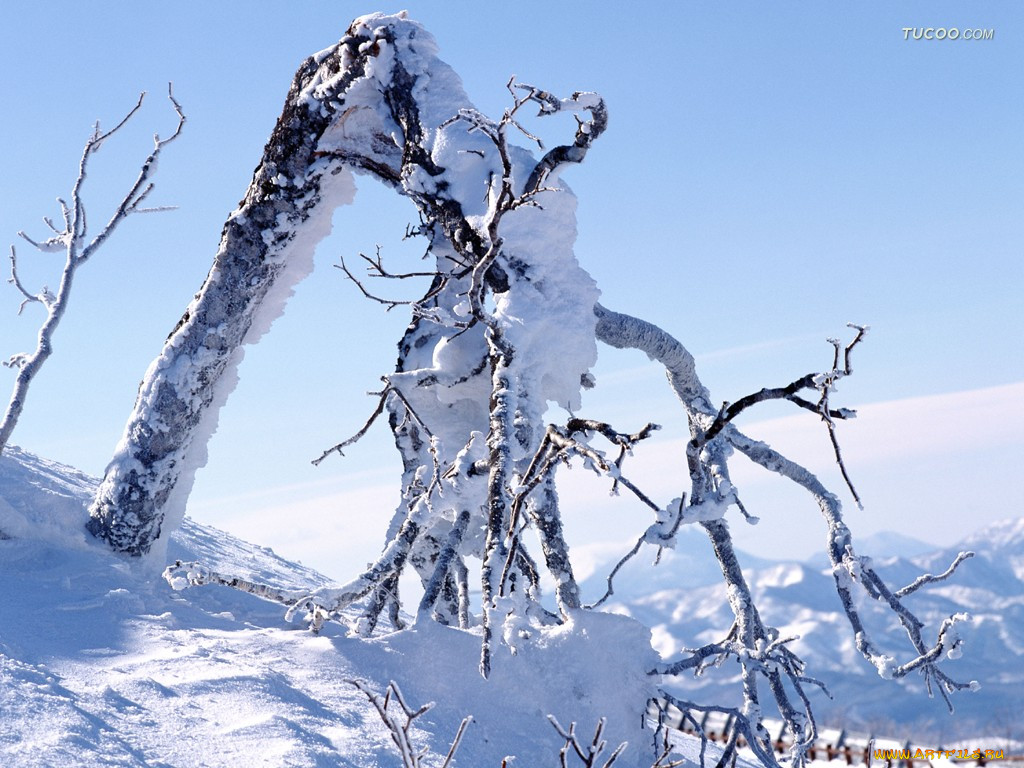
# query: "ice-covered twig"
(358, 435)
(438, 285)
(730, 411)
(43, 296)
(587, 132)
(182, 575)
(645, 538)
(589, 754)
(611, 576)
(322, 604)
(822, 382)
(400, 724)
(929, 578)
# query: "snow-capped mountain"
(800, 599)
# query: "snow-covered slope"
(101, 663)
(800, 599)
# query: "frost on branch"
(266, 247)
(507, 325)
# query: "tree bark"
(266, 247)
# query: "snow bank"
(100, 665)
(580, 672)
(42, 499)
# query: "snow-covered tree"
(507, 327)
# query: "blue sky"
(770, 173)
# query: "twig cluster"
(589, 754)
(399, 724)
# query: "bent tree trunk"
(508, 326)
(381, 102)
(266, 248)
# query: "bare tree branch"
(72, 241)
(400, 724)
(928, 578)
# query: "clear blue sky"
(771, 172)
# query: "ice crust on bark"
(266, 248)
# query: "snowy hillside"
(103, 664)
(800, 599)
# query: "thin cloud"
(748, 350)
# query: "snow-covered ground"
(102, 664)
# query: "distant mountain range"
(799, 598)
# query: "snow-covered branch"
(929, 578)
(588, 754)
(74, 242)
(755, 646)
(399, 724)
(184, 575)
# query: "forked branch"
(399, 724)
(588, 754)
